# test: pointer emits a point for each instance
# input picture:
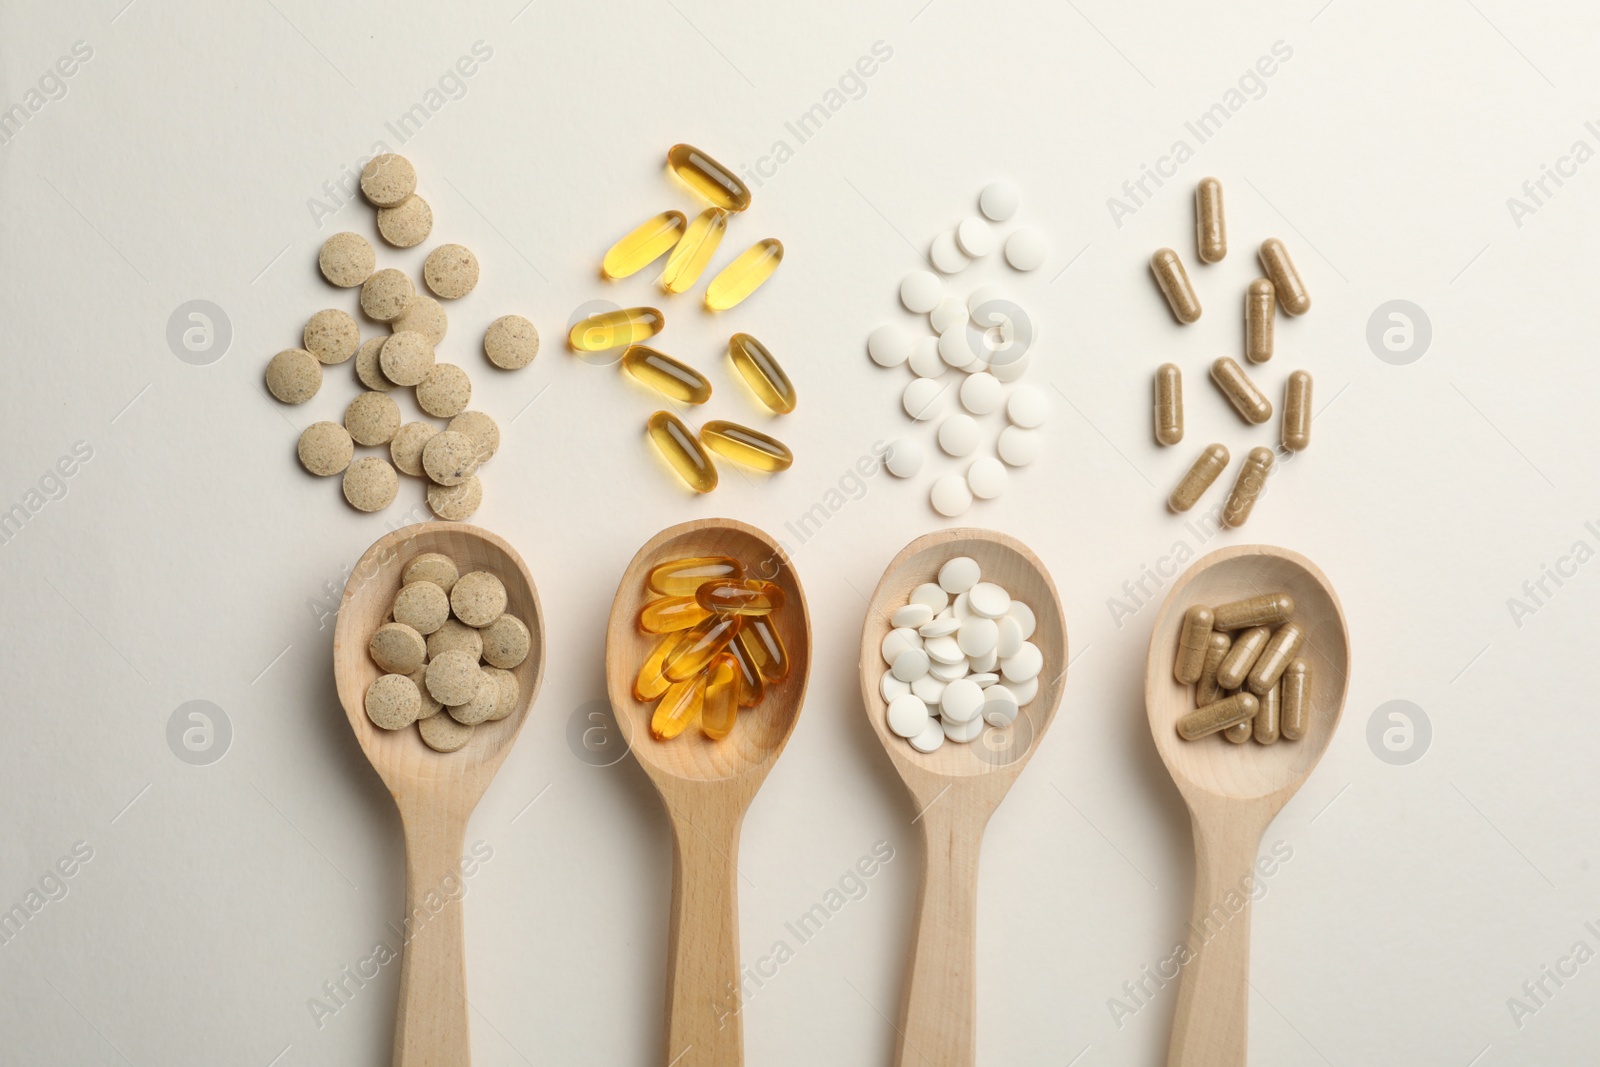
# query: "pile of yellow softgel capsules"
(689, 246)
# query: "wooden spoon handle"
(1211, 1027)
(432, 1026)
(939, 1018)
(704, 1027)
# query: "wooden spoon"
(435, 791)
(1234, 791)
(706, 785)
(956, 788)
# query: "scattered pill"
(921, 398)
(646, 243)
(1236, 665)
(1028, 407)
(682, 451)
(666, 375)
(405, 448)
(1205, 469)
(975, 237)
(908, 715)
(1010, 366)
(1203, 721)
(1169, 404)
(999, 200)
(889, 687)
(694, 250)
(1259, 313)
(423, 606)
(392, 702)
(443, 734)
(903, 458)
(423, 315)
(386, 294)
(1245, 396)
(325, 448)
(449, 458)
(1027, 249)
(889, 346)
(958, 434)
(925, 361)
(955, 347)
(1017, 446)
(744, 445)
(451, 271)
(1297, 411)
(1290, 290)
(708, 179)
(1295, 703)
(406, 358)
(1268, 609)
(920, 291)
(481, 430)
(370, 484)
(762, 373)
(612, 329)
(294, 376)
(981, 393)
(444, 392)
(407, 224)
(1175, 285)
(950, 495)
(987, 305)
(749, 270)
(1252, 479)
(368, 371)
(987, 478)
(397, 648)
(456, 502)
(388, 179)
(946, 255)
(947, 314)
(959, 574)
(346, 259)
(1193, 641)
(1210, 228)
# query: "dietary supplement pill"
(388, 179)
(680, 705)
(386, 294)
(1175, 285)
(747, 273)
(644, 244)
(510, 692)
(765, 648)
(1241, 707)
(1247, 399)
(294, 376)
(666, 375)
(1206, 690)
(1275, 657)
(1246, 649)
(610, 329)
(453, 678)
(483, 705)
(719, 710)
(739, 596)
(481, 430)
(368, 371)
(708, 179)
(406, 358)
(406, 224)
(1295, 710)
(762, 373)
(669, 614)
(511, 342)
(684, 577)
(392, 702)
(455, 636)
(1259, 314)
(1297, 411)
(1269, 609)
(1266, 727)
(444, 392)
(1193, 642)
(1169, 404)
(397, 648)
(430, 706)
(1291, 291)
(449, 457)
(372, 419)
(682, 451)
(423, 606)
(325, 448)
(405, 448)
(424, 315)
(506, 642)
(370, 484)
(346, 259)
(456, 502)
(699, 645)
(451, 271)
(478, 598)
(652, 681)
(694, 250)
(1205, 469)
(443, 734)
(435, 567)
(744, 445)
(1252, 479)
(752, 687)
(1210, 229)
(1239, 732)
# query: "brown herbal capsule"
(1245, 396)
(1242, 656)
(1174, 282)
(1169, 404)
(1258, 315)
(1252, 479)
(1206, 690)
(1210, 229)
(1286, 281)
(1205, 470)
(1266, 721)
(1269, 609)
(1275, 657)
(1240, 707)
(1295, 712)
(1193, 641)
(1297, 411)
(1239, 732)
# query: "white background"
(191, 555)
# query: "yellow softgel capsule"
(752, 687)
(710, 180)
(765, 648)
(652, 680)
(666, 375)
(744, 275)
(762, 373)
(720, 709)
(744, 445)
(649, 241)
(682, 451)
(694, 250)
(679, 707)
(682, 577)
(670, 614)
(739, 596)
(700, 645)
(611, 329)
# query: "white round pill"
(931, 737)
(975, 236)
(958, 434)
(921, 398)
(930, 595)
(1026, 249)
(950, 496)
(892, 687)
(1018, 447)
(946, 255)
(1028, 406)
(943, 650)
(1024, 691)
(959, 574)
(920, 291)
(1010, 636)
(950, 313)
(1010, 365)
(959, 608)
(904, 457)
(987, 478)
(988, 600)
(983, 664)
(1024, 616)
(929, 688)
(955, 348)
(889, 346)
(978, 636)
(910, 665)
(1025, 665)
(962, 700)
(938, 627)
(987, 305)
(999, 706)
(925, 361)
(898, 641)
(962, 732)
(981, 393)
(984, 679)
(999, 200)
(907, 715)
(912, 615)
(949, 672)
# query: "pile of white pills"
(405, 358)
(959, 659)
(449, 646)
(986, 336)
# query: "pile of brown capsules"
(1248, 682)
(446, 456)
(1282, 287)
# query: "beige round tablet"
(510, 692)
(451, 271)
(397, 648)
(456, 502)
(393, 702)
(332, 336)
(511, 342)
(478, 599)
(444, 393)
(406, 224)
(370, 484)
(455, 636)
(505, 641)
(426, 316)
(294, 376)
(482, 706)
(449, 458)
(386, 295)
(372, 418)
(430, 706)
(443, 734)
(368, 372)
(406, 447)
(325, 448)
(435, 567)
(422, 606)
(388, 179)
(405, 358)
(347, 259)
(453, 678)
(484, 432)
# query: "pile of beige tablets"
(447, 456)
(450, 646)
(1282, 287)
(1249, 684)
